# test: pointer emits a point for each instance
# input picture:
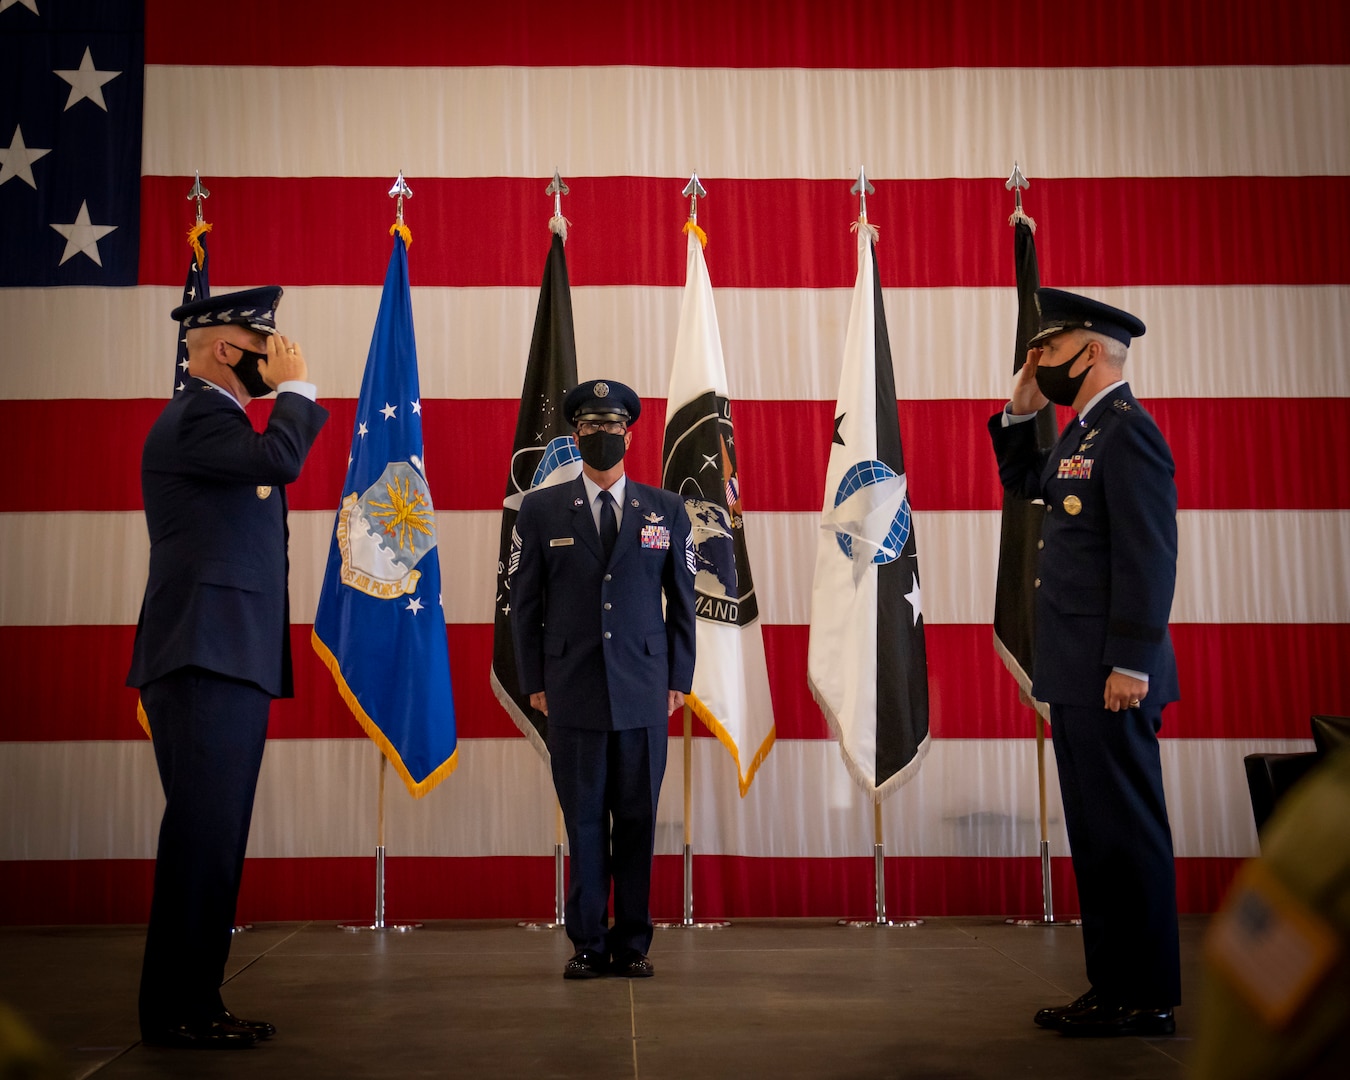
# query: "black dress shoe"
(1053, 1017)
(632, 965)
(585, 965)
(261, 1029)
(1104, 1021)
(211, 1035)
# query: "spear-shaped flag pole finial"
(862, 189)
(694, 190)
(400, 191)
(1016, 183)
(558, 188)
(199, 193)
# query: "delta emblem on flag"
(731, 678)
(867, 663)
(380, 626)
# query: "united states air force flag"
(380, 626)
(867, 665)
(731, 679)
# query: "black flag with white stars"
(197, 287)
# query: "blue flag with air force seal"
(867, 662)
(380, 626)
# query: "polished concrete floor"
(950, 999)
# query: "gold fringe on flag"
(195, 240)
(690, 227)
(403, 231)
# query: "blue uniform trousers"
(209, 733)
(1110, 777)
(608, 783)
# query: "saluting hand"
(285, 362)
(1027, 396)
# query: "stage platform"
(949, 1000)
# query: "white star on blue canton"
(82, 236)
(414, 605)
(388, 410)
(17, 160)
(362, 430)
(86, 81)
(417, 407)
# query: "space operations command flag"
(731, 679)
(380, 626)
(867, 665)
(543, 454)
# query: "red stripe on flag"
(103, 891)
(971, 696)
(760, 33)
(783, 445)
(762, 233)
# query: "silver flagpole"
(694, 191)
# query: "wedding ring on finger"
(1134, 703)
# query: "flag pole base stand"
(688, 922)
(1048, 917)
(242, 928)
(880, 924)
(1043, 922)
(558, 922)
(691, 925)
(384, 928)
(379, 925)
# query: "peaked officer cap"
(1062, 311)
(601, 399)
(254, 308)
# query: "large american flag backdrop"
(1189, 162)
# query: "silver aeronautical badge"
(653, 518)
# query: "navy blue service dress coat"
(212, 649)
(1106, 577)
(593, 636)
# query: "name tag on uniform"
(1077, 467)
(562, 541)
(656, 537)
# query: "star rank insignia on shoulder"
(1121, 405)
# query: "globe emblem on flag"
(874, 484)
(559, 452)
(385, 532)
(714, 549)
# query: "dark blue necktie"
(609, 523)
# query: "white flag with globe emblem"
(731, 679)
(867, 661)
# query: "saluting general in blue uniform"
(1103, 657)
(598, 656)
(212, 644)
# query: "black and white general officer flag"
(867, 664)
(543, 454)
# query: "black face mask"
(1055, 384)
(601, 450)
(247, 371)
